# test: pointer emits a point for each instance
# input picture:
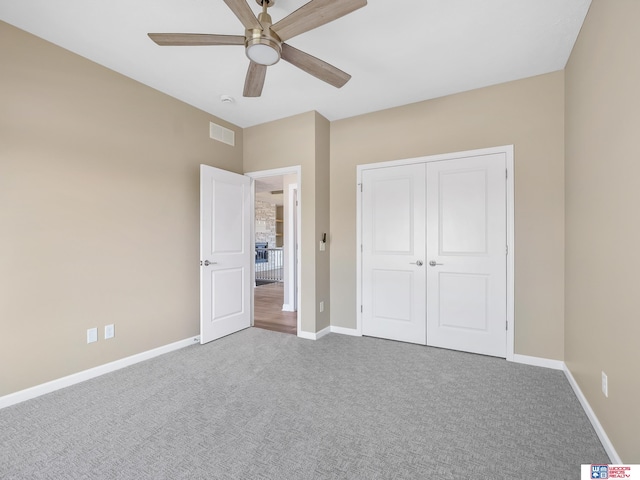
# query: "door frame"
(297, 170)
(507, 150)
(292, 233)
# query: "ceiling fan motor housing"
(262, 45)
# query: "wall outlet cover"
(92, 335)
(109, 331)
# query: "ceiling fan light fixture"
(264, 40)
(263, 51)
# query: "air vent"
(224, 135)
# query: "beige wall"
(527, 113)
(602, 328)
(300, 140)
(99, 202)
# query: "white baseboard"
(287, 308)
(346, 331)
(53, 385)
(560, 365)
(323, 332)
(314, 336)
(604, 439)
(306, 335)
(538, 361)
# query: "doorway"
(275, 234)
(435, 251)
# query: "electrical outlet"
(92, 335)
(321, 307)
(109, 331)
(605, 385)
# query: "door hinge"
(507, 249)
(360, 308)
(360, 185)
(506, 326)
(361, 248)
(506, 173)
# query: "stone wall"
(265, 223)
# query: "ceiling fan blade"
(254, 81)
(189, 39)
(314, 14)
(244, 13)
(314, 66)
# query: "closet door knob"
(419, 263)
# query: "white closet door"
(393, 249)
(466, 254)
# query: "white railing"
(269, 262)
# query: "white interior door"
(225, 253)
(393, 242)
(466, 253)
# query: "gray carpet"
(265, 405)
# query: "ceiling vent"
(224, 135)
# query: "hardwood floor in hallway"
(268, 314)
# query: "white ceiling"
(398, 52)
(265, 185)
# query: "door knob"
(433, 263)
(419, 263)
(207, 263)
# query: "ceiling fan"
(264, 40)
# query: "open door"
(225, 253)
